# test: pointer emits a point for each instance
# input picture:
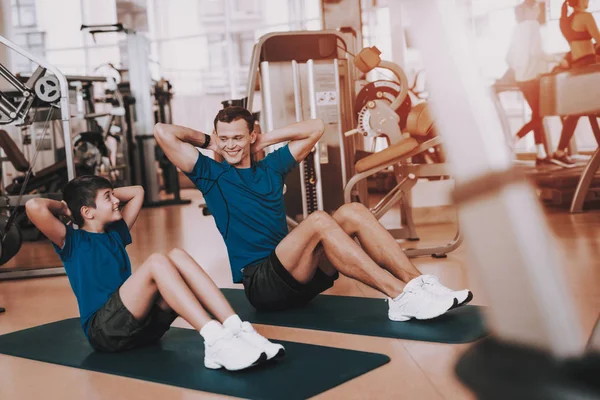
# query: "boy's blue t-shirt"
(97, 264)
(247, 204)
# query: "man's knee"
(320, 220)
(350, 213)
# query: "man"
(280, 270)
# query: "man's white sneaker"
(232, 353)
(416, 302)
(433, 285)
(272, 350)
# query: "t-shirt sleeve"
(204, 172)
(281, 160)
(71, 238)
(121, 229)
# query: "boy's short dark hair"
(82, 191)
(234, 113)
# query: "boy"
(120, 310)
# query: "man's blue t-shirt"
(247, 204)
(97, 264)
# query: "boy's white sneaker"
(271, 349)
(232, 353)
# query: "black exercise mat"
(178, 360)
(365, 316)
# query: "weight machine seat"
(41, 177)
(419, 121)
(383, 157)
(13, 153)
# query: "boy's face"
(235, 141)
(107, 208)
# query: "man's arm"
(302, 137)
(179, 142)
(133, 197)
(44, 215)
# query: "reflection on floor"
(418, 370)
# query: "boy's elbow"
(32, 205)
(140, 190)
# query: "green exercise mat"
(305, 371)
(365, 316)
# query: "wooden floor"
(417, 370)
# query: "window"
(23, 13)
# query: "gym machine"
(386, 109)
(560, 186)
(312, 70)
(568, 93)
(144, 106)
(307, 74)
(535, 350)
(47, 88)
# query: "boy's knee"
(158, 260)
(175, 253)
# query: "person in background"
(581, 31)
(527, 59)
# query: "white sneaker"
(272, 350)
(433, 285)
(416, 302)
(231, 353)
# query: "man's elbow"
(161, 133)
(139, 190)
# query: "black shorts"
(113, 328)
(270, 287)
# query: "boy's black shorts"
(113, 328)
(270, 287)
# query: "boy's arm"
(302, 137)
(179, 142)
(133, 197)
(44, 213)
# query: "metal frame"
(407, 175)
(66, 127)
(257, 51)
(64, 100)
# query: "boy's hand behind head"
(65, 211)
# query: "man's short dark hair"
(82, 191)
(235, 113)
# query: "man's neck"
(244, 164)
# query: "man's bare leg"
(299, 254)
(378, 243)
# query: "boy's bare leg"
(209, 295)
(157, 275)
(299, 252)
(378, 243)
